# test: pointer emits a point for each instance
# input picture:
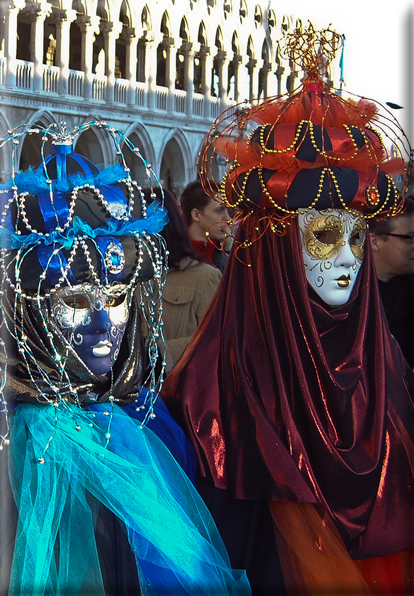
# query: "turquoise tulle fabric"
(176, 544)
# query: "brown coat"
(187, 294)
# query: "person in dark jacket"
(392, 242)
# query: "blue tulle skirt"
(63, 465)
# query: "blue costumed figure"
(100, 500)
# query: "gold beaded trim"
(311, 127)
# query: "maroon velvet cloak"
(286, 399)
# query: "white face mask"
(333, 243)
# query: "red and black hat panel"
(305, 165)
(319, 188)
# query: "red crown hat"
(311, 148)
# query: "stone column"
(131, 42)
(151, 67)
(222, 63)
(254, 82)
(187, 49)
(206, 68)
(282, 72)
(170, 70)
(272, 81)
(63, 20)
(10, 12)
(110, 32)
(281, 80)
(38, 12)
(206, 61)
(291, 80)
(266, 73)
(237, 60)
(88, 28)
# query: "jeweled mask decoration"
(75, 241)
(333, 243)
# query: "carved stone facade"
(159, 70)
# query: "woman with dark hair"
(176, 233)
(190, 287)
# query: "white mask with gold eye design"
(333, 244)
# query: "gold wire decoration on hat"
(310, 49)
(312, 148)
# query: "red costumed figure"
(296, 397)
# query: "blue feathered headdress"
(67, 221)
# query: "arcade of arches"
(161, 72)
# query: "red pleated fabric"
(286, 399)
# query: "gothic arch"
(43, 118)
(96, 146)
(177, 164)
(235, 43)
(30, 146)
(232, 69)
(202, 34)
(218, 41)
(4, 124)
(146, 20)
(90, 145)
(218, 168)
(266, 52)
(183, 37)
(80, 7)
(201, 44)
(184, 29)
(124, 18)
(287, 23)
(103, 10)
(125, 13)
(23, 33)
(139, 135)
(165, 25)
(271, 19)
(143, 32)
(250, 48)
(258, 15)
(165, 30)
(243, 10)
